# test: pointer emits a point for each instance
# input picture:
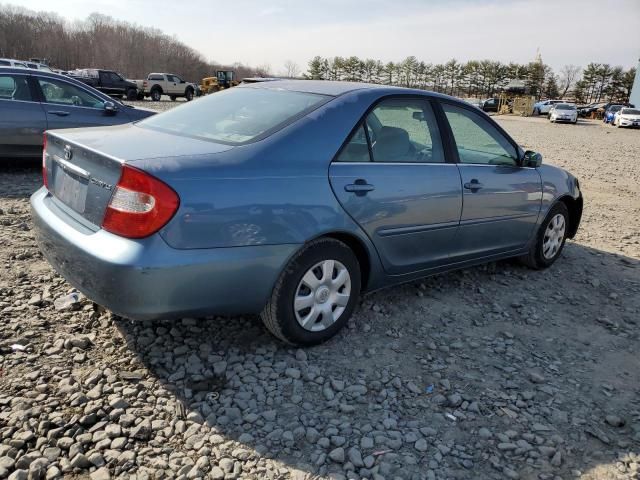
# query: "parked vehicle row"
(315, 192)
(32, 101)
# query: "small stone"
(536, 377)
(421, 445)
(454, 400)
(301, 355)
(556, 461)
(292, 373)
(614, 421)
(80, 461)
(337, 455)
(101, 474)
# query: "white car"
(9, 62)
(627, 117)
(543, 108)
(564, 112)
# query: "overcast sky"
(258, 32)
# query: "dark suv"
(107, 81)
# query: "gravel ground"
(491, 372)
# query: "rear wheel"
(550, 239)
(315, 294)
(189, 94)
(156, 94)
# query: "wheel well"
(156, 87)
(574, 205)
(358, 248)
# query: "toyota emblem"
(68, 153)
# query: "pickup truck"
(158, 84)
(107, 81)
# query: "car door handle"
(360, 187)
(59, 113)
(474, 185)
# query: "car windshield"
(235, 116)
(565, 106)
(630, 111)
(615, 108)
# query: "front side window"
(404, 130)
(237, 115)
(477, 141)
(63, 93)
(14, 87)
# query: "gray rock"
(614, 421)
(421, 445)
(337, 455)
(101, 474)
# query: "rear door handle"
(59, 113)
(474, 185)
(360, 187)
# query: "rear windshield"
(561, 106)
(237, 115)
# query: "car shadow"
(545, 354)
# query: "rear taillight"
(140, 205)
(44, 161)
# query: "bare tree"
(291, 68)
(569, 74)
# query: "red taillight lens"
(140, 205)
(44, 161)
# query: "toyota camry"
(289, 199)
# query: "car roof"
(326, 87)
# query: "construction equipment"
(223, 79)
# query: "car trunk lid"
(83, 166)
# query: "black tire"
(279, 316)
(536, 259)
(140, 96)
(132, 94)
(156, 94)
(173, 98)
(188, 94)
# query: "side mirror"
(110, 108)
(418, 116)
(532, 159)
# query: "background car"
(627, 117)
(288, 199)
(8, 62)
(107, 81)
(564, 112)
(543, 107)
(32, 101)
(610, 112)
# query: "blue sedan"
(32, 101)
(291, 198)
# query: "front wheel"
(315, 294)
(132, 94)
(550, 239)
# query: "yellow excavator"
(223, 79)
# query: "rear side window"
(5, 63)
(156, 77)
(399, 130)
(356, 149)
(236, 116)
(14, 87)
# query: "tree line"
(102, 42)
(483, 78)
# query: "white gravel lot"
(491, 372)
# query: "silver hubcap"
(322, 295)
(553, 236)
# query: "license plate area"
(70, 184)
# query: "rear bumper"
(146, 279)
